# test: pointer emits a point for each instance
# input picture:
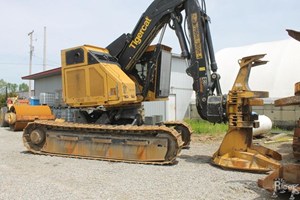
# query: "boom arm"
(198, 50)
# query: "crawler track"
(185, 130)
(132, 144)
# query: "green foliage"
(23, 87)
(2, 83)
(2, 92)
(2, 100)
(204, 127)
(11, 89)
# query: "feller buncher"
(108, 85)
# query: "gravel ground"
(27, 176)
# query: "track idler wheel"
(34, 138)
(37, 136)
(185, 135)
(184, 129)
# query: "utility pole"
(30, 60)
(44, 60)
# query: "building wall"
(181, 85)
(282, 117)
(180, 94)
(155, 108)
(47, 85)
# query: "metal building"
(46, 82)
(181, 92)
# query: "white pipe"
(265, 125)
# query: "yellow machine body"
(99, 84)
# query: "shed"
(46, 82)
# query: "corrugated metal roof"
(51, 72)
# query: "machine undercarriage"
(125, 143)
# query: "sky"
(73, 23)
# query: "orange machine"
(18, 113)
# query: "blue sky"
(73, 22)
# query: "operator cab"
(159, 86)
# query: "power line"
(46, 59)
(38, 64)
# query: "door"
(171, 108)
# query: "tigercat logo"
(138, 39)
(196, 36)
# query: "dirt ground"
(27, 176)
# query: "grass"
(207, 128)
(277, 129)
(202, 127)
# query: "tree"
(23, 87)
(2, 92)
(12, 87)
(2, 86)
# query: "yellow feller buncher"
(105, 88)
(287, 177)
(18, 113)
